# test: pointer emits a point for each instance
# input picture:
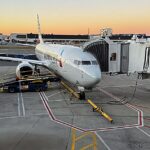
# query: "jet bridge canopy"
(100, 49)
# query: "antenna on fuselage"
(39, 29)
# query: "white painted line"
(44, 99)
(58, 100)
(52, 116)
(12, 117)
(140, 112)
(39, 114)
(54, 86)
(113, 128)
(143, 131)
(100, 138)
(23, 107)
(119, 86)
(28, 97)
(55, 93)
(18, 106)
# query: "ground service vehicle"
(31, 85)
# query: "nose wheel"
(82, 95)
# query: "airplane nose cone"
(94, 77)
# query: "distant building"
(1, 37)
(52, 38)
(4, 39)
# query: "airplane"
(70, 62)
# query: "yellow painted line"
(76, 138)
(98, 109)
(73, 139)
(85, 134)
(87, 147)
(70, 90)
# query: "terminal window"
(113, 57)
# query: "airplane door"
(124, 58)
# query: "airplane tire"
(11, 90)
(82, 95)
(38, 89)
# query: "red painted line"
(140, 119)
(49, 112)
(140, 112)
(70, 125)
(132, 107)
(146, 126)
(114, 128)
(49, 109)
(141, 106)
(53, 118)
(148, 119)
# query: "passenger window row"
(77, 62)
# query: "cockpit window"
(94, 62)
(86, 63)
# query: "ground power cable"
(124, 99)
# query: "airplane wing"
(23, 56)
(35, 62)
(30, 45)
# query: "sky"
(75, 16)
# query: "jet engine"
(24, 69)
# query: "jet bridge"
(106, 52)
(100, 49)
(121, 56)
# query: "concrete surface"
(43, 121)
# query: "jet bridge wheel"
(82, 95)
(11, 89)
(37, 70)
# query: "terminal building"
(51, 38)
(3, 39)
(116, 53)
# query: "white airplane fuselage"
(70, 62)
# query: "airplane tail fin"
(39, 29)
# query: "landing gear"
(81, 93)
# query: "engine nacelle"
(24, 69)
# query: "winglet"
(39, 29)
